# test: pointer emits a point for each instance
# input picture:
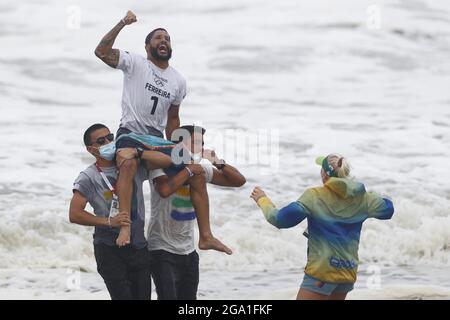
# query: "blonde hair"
(340, 165)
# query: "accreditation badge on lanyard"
(114, 210)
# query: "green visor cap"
(319, 160)
(323, 162)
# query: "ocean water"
(370, 82)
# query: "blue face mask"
(108, 151)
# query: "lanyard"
(105, 178)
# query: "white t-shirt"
(171, 226)
(148, 93)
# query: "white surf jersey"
(148, 93)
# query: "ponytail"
(340, 165)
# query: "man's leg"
(165, 274)
(113, 270)
(156, 160)
(187, 289)
(139, 274)
(200, 201)
(310, 295)
(127, 171)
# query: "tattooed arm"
(104, 50)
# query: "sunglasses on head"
(102, 140)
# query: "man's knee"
(129, 166)
(126, 165)
(198, 178)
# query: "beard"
(154, 51)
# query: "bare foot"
(124, 236)
(212, 243)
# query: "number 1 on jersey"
(155, 103)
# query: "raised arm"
(286, 217)
(104, 50)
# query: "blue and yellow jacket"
(335, 213)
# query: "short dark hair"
(191, 128)
(152, 33)
(88, 132)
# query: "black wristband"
(220, 166)
(139, 151)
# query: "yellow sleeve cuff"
(264, 202)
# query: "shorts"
(325, 288)
(127, 142)
(132, 143)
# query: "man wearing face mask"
(126, 271)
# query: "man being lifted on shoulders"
(151, 98)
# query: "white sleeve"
(153, 174)
(181, 94)
(209, 170)
(84, 185)
(126, 61)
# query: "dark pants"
(175, 276)
(126, 271)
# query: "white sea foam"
(311, 70)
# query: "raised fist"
(129, 18)
(257, 193)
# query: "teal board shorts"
(325, 288)
(155, 139)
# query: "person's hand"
(211, 156)
(122, 219)
(124, 154)
(196, 169)
(257, 193)
(129, 18)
